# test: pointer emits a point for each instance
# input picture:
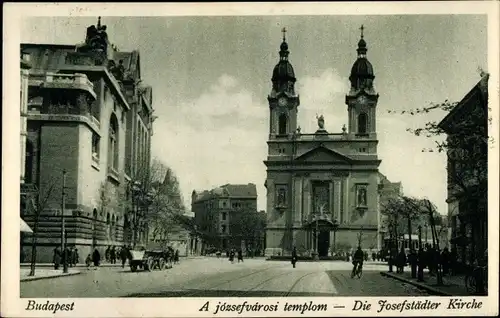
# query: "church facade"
(322, 187)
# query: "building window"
(224, 216)
(95, 147)
(223, 229)
(113, 143)
(282, 122)
(362, 123)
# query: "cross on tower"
(362, 29)
(284, 33)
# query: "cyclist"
(357, 261)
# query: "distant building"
(387, 190)
(217, 210)
(467, 128)
(322, 186)
(87, 114)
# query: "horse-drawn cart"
(150, 259)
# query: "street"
(212, 277)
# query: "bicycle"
(478, 272)
(357, 271)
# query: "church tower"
(283, 101)
(362, 98)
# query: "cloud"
(214, 139)
(323, 94)
(220, 137)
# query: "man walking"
(294, 256)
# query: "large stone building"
(322, 186)
(217, 212)
(89, 119)
(467, 128)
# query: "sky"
(211, 77)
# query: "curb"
(29, 279)
(432, 290)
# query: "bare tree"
(155, 199)
(36, 203)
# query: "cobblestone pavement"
(211, 277)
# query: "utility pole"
(63, 225)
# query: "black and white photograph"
(252, 162)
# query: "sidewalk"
(44, 273)
(103, 264)
(452, 285)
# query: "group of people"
(427, 257)
(69, 255)
(230, 254)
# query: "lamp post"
(390, 248)
(419, 236)
(316, 238)
(335, 228)
(426, 231)
(63, 225)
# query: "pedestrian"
(112, 255)
(88, 261)
(294, 256)
(365, 256)
(218, 254)
(453, 260)
(231, 256)
(96, 258)
(56, 259)
(240, 255)
(401, 260)
(412, 260)
(76, 257)
(107, 254)
(176, 257)
(124, 255)
(445, 261)
(374, 256)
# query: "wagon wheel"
(133, 268)
(162, 263)
(149, 264)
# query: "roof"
(478, 93)
(226, 191)
(47, 57)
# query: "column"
(297, 200)
(338, 201)
(307, 197)
(345, 198)
(331, 200)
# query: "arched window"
(28, 162)
(282, 122)
(113, 143)
(362, 123)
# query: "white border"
(12, 305)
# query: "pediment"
(323, 154)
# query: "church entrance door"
(323, 243)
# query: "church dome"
(362, 68)
(362, 74)
(283, 70)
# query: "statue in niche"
(281, 197)
(361, 197)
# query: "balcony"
(75, 81)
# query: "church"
(322, 187)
